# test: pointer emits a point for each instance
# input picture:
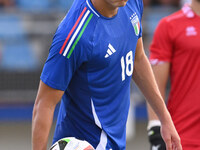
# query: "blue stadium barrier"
(18, 56)
(19, 112)
(24, 112)
(11, 27)
(16, 50)
(43, 5)
(65, 4)
(141, 112)
(33, 4)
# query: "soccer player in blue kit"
(96, 50)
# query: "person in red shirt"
(175, 54)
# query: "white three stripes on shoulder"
(76, 32)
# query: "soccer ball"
(71, 143)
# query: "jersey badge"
(110, 51)
(135, 23)
(191, 31)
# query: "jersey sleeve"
(59, 69)
(141, 13)
(161, 47)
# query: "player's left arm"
(145, 80)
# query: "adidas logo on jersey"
(110, 51)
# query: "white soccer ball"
(71, 143)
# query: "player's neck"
(104, 8)
(195, 5)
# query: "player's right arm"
(43, 112)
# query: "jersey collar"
(92, 8)
(188, 12)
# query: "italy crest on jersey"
(135, 23)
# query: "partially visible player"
(94, 53)
(175, 53)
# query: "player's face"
(116, 3)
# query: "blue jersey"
(92, 60)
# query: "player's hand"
(170, 136)
(155, 139)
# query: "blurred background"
(26, 32)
